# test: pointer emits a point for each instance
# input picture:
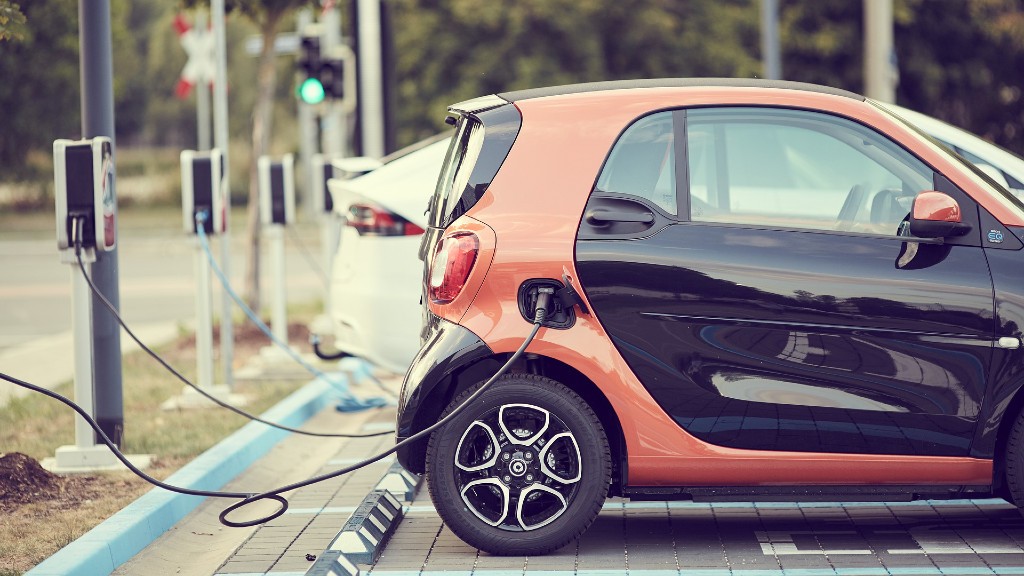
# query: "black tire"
(530, 491)
(1014, 461)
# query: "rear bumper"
(430, 383)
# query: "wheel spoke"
(547, 504)
(479, 496)
(523, 424)
(483, 444)
(560, 459)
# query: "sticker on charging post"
(107, 194)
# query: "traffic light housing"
(323, 77)
(311, 87)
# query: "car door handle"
(603, 215)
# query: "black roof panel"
(673, 83)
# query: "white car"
(1004, 167)
(376, 274)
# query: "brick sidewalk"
(317, 512)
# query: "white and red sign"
(198, 44)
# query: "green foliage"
(962, 62)
(451, 50)
(12, 21)
(959, 60)
(39, 95)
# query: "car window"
(798, 169)
(642, 163)
(462, 153)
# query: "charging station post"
(277, 210)
(204, 204)
(85, 212)
(330, 223)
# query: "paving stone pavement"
(316, 513)
(770, 539)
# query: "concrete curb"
(113, 542)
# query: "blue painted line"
(116, 540)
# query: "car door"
(751, 266)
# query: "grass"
(36, 425)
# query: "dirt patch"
(24, 481)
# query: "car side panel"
(797, 340)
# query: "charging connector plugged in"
(544, 291)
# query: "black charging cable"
(77, 227)
(543, 303)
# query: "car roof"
(515, 96)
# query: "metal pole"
(204, 320)
(371, 78)
(278, 313)
(334, 146)
(879, 65)
(307, 134)
(97, 80)
(202, 93)
(771, 51)
(335, 129)
(220, 138)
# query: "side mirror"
(936, 215)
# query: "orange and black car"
(764, 290)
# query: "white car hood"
(403, 185)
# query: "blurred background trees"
(959, 60)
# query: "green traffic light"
(311, 91)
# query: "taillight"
(370, 219)
(453, 261)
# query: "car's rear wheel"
(523, 470)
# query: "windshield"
(979, 176)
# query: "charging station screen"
(328, 201)
(202, 191)
(277, 209)
(80, 193)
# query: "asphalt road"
(156, 273)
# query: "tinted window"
(798, 169)
(642, 163)
(478, 148)
(462, 153)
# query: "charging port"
(560, 316)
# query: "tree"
(451, 50)
(40, 88)
(958, 61)
(40, 92)
(12, 21)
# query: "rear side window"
(642, 163)
(462, 154)
(478, 148)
